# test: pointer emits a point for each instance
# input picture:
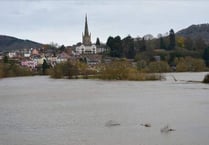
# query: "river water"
(43, 111)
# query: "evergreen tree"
(62, 48)
(110, 41)
(206, 56)
(162, 44)
(5, 59)
(128, 47)
(115, 46)
(143, 45)
(45, 66)
(97, 42)
(172, 39)
(117, 51)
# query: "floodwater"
(43, 111)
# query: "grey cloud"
(63, 21)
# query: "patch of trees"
(167, 47)
(10, 69)
(127, 47)
(124, 70)
(71, 70)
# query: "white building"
(86, 47)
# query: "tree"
(158, 67)
(97, 42)
(115, 46)
(206, 79)
(184, 64)
(172, 39)
(110, 41)
(5, 59)
(206, 56)
(180, 42)
(62, 48)
(116, 70)
(45, 66)
(128, 47)
(162, 43)
(143, 45)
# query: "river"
(42, 111)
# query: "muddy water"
(42, 111)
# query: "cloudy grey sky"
(62, 21)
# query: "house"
(38, 59)
(26, 53)
(86, 47)
(62, 57)
(34, 52)
(12, 54)
(92, 59)
(29, 63)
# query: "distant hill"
(196, 32)
(8, 43)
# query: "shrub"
(117, 70)
(206, 79)
(1, 71)
(123, 70)
(13, 70)
(141, 65)
(158, 67)
(189, 64)
(57, 71)
(67, 69)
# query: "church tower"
(86, 35)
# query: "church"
(86, 47)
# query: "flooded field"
(43, 111)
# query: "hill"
(8, 43)
(196, 32)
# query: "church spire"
(86, 30)
(86, 35)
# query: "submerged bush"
(67, 69)
(141, 65)
(123, 70)
(116, 70)
(158, 67)
(13, 70)
(206, 79)
(189, 64)
(71, 70)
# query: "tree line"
(167, 47)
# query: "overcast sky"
(62, 21)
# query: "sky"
(62, 21)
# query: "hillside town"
(120, 58)
(34, 57)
